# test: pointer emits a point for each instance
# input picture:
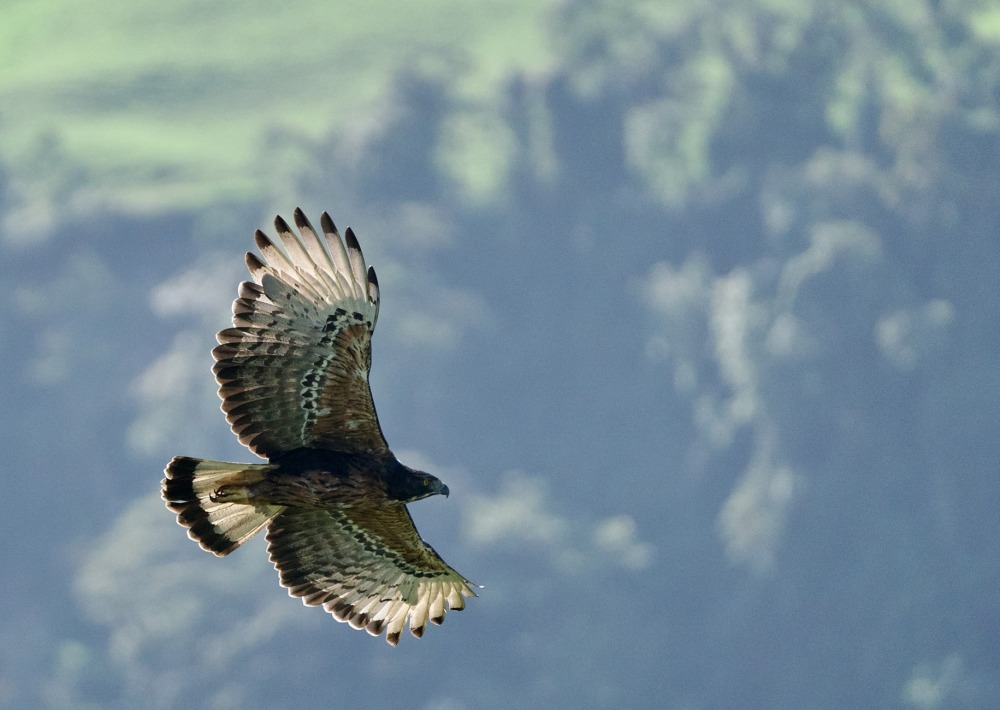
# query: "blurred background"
(693, 305)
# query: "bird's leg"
(229, 493)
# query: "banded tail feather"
(219, 526)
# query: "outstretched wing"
(366, 565)
(293, 371)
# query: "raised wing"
(293, 371)
(366, 565)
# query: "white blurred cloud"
(521, 515)
(426, 314)
(675, 292)
(752, 519)
(729, 337)
(205, 289)
(65, 346)
(176, 392)
(419, 224)
(518, 512)
(31, 217)
(944, 684)
(54, 361)
(446, 315)
(736, 322)
(176, 397)
(168, 605)
(617, 536)
(908, 335)
(679, 298)
(829, 243)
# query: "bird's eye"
(427, 481)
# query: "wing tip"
(352, 241)
(375, 627)
(327, 224)
(254, 263)
(302, 222)
(373, 288)
(262, 240)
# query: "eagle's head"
(407, 484)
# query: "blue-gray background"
(693, 305)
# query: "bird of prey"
(293, 378)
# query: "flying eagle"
(293, 378)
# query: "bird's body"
(293, 377)
(316, 478)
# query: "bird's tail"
(218, 522)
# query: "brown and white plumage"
(333, 558)
(293, 378)
(308, 313)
